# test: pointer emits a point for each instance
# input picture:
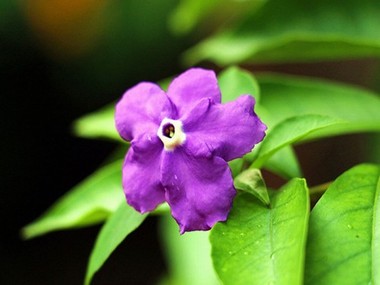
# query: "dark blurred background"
(62, 59)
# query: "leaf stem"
(319, 189)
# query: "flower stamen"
(171, 133)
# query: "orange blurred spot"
(66, 27)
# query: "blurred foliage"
(208, 16)
(296, 31)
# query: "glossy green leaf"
(289, 96)
(188, 255)
(260, 245)
(306, 31)
(88, 203)
(235, 82)
(343, 241)
(118, 226)
(289, 131)
(251, 181)
(99, 124)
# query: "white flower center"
(171, 133)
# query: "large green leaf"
(343, 242)
(118, 226)
(88, 203)
(299, 31)
(289, 131)
(188, 255)
(288, 96)
(259, 245)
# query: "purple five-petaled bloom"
(181, 141)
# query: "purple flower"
(181, 141)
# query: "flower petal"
(189, 87)
(141, 109)
(226, 130)
(199, 191)
(141, 175)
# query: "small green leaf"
(88, 203)
(289, 131)
(343, 241)
(236, 166)
(260, 245)
(188, 255)
(99, 124)
(234, 82)
(118, 226)
(252, 182)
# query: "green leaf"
(259, 245)
(188, 255)
(284, 163)
(88, 203)
(289, 131)
(234, 82)
(251, 181)
(288, 96)
(343, 233)
(99, 124)
(307, 31)
(118, 226)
